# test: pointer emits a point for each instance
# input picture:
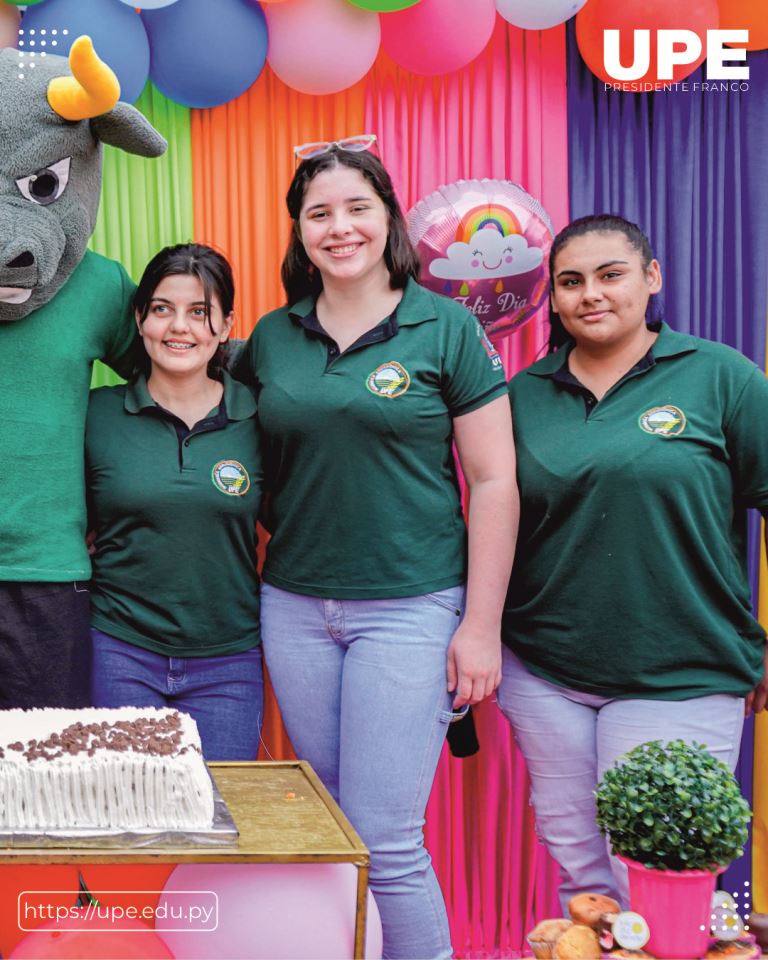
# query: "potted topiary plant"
(676, 817)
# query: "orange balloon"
(749, 15)
(600, 15)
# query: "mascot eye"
(46, 185)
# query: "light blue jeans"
(361, 686)
(570, 738)
(224, 694)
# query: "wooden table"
(284, 815)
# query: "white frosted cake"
(128, 768)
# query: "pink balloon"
(485, 243)
(321, 46)
(438, 36)
(266, 911)
(10, 17)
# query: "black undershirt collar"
(378, 334)
(217, 421)
(563, 375)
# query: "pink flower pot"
(677, 905)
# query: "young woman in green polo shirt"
(365, 380)
(174, 481)
(628, 616)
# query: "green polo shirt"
(175, 518)
(45, 374)
(630, 578)
(358, 446)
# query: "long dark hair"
(299, 275)
(213, 271)
(595, 223)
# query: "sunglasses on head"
(307, 151)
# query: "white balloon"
(148, 4)
(538, 14)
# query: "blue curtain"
(691, 168)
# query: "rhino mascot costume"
(61, 308)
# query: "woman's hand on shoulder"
(474, 663)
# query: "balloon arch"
(202, 54)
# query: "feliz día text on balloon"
(674, 48)
(505, 303)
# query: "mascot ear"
(128, 129)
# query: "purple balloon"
(485, 243)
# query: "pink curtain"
(502, 117)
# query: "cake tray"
(222, 833)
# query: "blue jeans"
(224, 695)
(569, 739)
(361, 686)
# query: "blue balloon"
(205, 53)
(118, 35)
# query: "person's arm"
(122, 350)
(757, 700)
(486, 450)
(747, 448)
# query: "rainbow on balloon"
(487, 216)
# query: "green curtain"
(145, 204)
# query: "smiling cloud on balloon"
(488, 255)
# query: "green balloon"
(23, 3)
(384, 6)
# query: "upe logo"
(676, 48)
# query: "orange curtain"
(242, 164)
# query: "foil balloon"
(485, 243)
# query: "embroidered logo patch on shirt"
(389, 380)
(667, 421)
(231, 478)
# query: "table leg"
(361, 911)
